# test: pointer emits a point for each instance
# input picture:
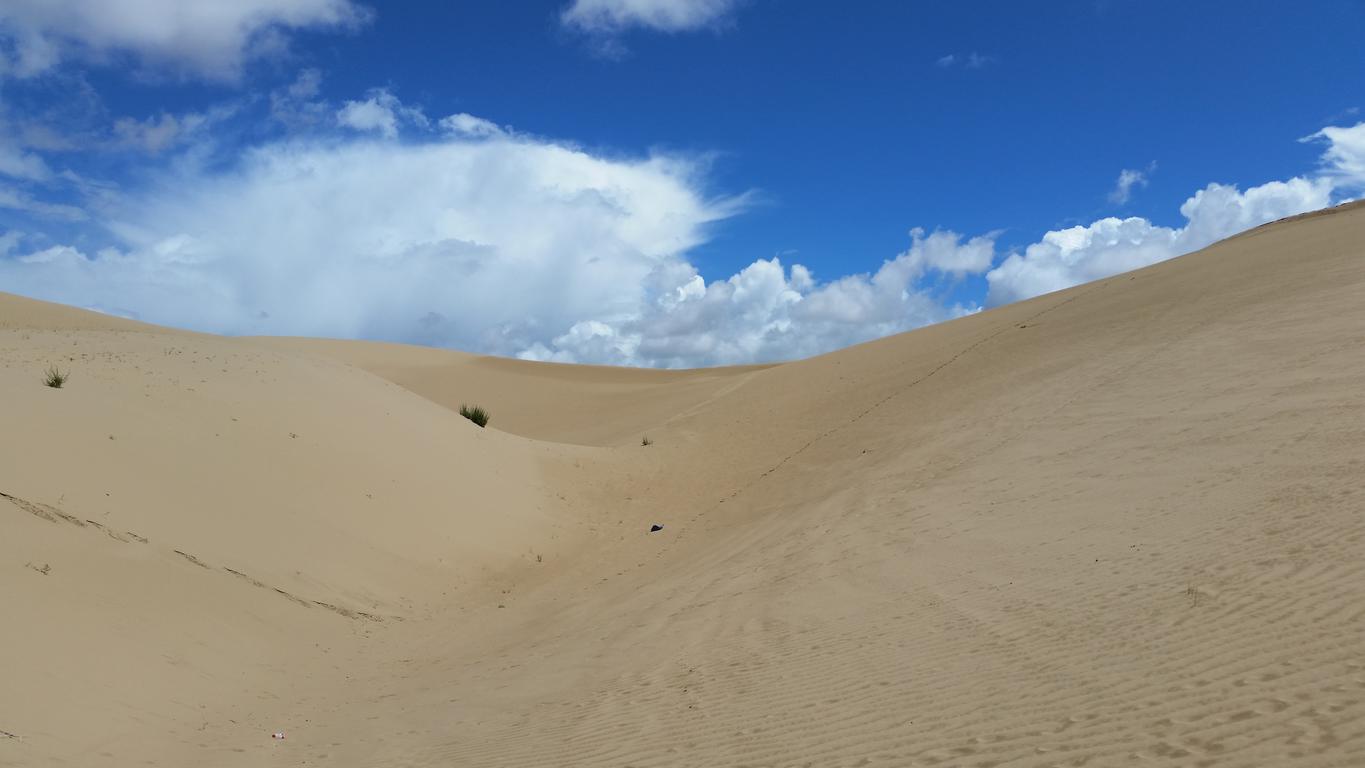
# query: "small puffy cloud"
(382, 112)
(614, 16)
(945, 252)
(1128, 179)
(468, 126)
(1068, 257)
(207, 39)
(369, 115)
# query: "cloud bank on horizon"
(365, 218)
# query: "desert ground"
(1122, 524)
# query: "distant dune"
(1121, 524)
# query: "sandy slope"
(558, 403)
(1120, 524)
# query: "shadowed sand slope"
(1119, 524)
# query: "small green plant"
(646, 441)
(54, 377)
(476, 414)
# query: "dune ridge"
(1115, 524)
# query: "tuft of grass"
(646, 441)
(54, 377)
(476, 414)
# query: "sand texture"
(1122, 524)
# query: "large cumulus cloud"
(486, 245)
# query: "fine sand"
(1123, 524)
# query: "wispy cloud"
(470, 126)
(969, 60)
(17, 199)
(19, 163)
(1130, 178)
(614, 16)
(297, 106)
(1344, 158)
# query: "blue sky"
(647, 182)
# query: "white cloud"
(297, 106)
(970, 60)
(764, 313)
(382, 112)
(490, 245)
(205, 38)
(17, 163)
(944, 252)
(492, 241)
(1344, 158)
(9, 241)
(1129, 178)
(155, 134)
(1106, 247)
(1068, 257)
(17, 199)
(612, 16)
(468, 126)
(497, 243)
(369, 115)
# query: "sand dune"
(1119, 524)
(581, 404)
